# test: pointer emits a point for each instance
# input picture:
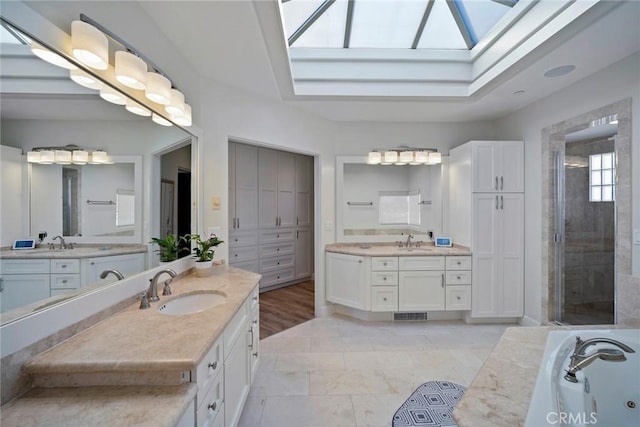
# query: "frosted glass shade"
(111, 95)
(176, 106)
(185, 119)
(131, 71)
(49, 56)
(374, 158)
(158, 89)
(421, 157)
(435, 158)
(135, 108)
(405, 157)
(89, 45)
(80, 157)
(47, 157)
(62, 157)
(390, 157)
(160, 120)
(84, 79)
(33, 157)
(99, 157)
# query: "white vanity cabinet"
(23, 282)
(347, 282)
(384, 283)
(497, 166)
(127, 264)
(421, 283)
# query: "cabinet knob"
(278, 263)
(213, 406)
(359, 261)
(235, 240)
(93, 263)
(255, 298)
(63, 266)
(236, 255)
(277, 236)
(255, 322)
(278, 250)
(458, 277)
(213, 365)
(384, 299)
(459, 263)
(255, 354)
(458, 298)
(384, 278)
(278, 277)
(385, 264)
(64, 281)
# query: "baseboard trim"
(528, 321)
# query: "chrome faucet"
(63, 244)
(409, 237)
(579, 360)
(152, 292)
(113, 271)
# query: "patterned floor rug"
(430, 405)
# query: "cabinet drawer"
(458, 298)
(235, 328)
(458, 263)
(252, 265)
(65, 281)
(462, 277)
(65, 266)
(209, 369)
(24, 266)
(254, 300)
(211, 406)
(384, 298)
(243, 238)
(380, 263)
(275, 263)
(277, 276)
(277, 235)
(275, 249)
(245, 253)
(382, 278)
(422, 263)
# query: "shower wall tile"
(628, 300)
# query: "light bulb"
(158, 88)
(89, 45)
(131, 70)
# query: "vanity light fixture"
(158, 88)
(111, 95)
(69, 154)
(47, 157)
(89, 45)
(80, 157)
(131, 70)
(135, 108)
(84, 79)
(62, 157)
(51, 57)
(185, 119)
(160, 120)
(176, 104)
(404, 156)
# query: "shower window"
(601, 177)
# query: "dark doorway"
(184, 205)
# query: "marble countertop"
(78, 251)
(392, 249)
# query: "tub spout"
(579, 360)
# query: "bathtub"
(607, 394)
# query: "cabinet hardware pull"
(238, 222)
(277, 249)
(459, 262)
(1, 284)
(255, 298)
(277, 236)
(496, 183)
(384, 299)
(501, 182)
(359, 261)
(297, 221)
(255, 354)
(251, 344)
(236, 255)
(442, 280)
(384, 278)
(502, 202)
(64, 266)
(496, 202)
(64, 281)
(93, 263)
(213, 365)
(278, 263)
(213, 406)
(255, 321)
(458, 297)
(297, 234)
(235, 240)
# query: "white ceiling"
(226, 41)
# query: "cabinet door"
(511, 167)
(485, 167)
(267, 187)
(286, 189)
(485, 255)
(420, 290)
(254, 349)
(17, 290)
(125, 264)
(304, 190)
(237, 378)
(246, 186)
(232, 185)
(304, 253)
(511, 261)
(346, 280)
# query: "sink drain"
(631, 404)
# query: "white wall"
(617, 82)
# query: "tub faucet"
(579, 360)
(113, 271)
(152, 292)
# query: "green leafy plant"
(169, 247)
(204, 247)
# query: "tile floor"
(339, 371)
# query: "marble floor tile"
(309, 361)
(340, 344)
(280, 383)
(400, 342)
(267, 361)
(376, 409)
(278, 344)
(308, 411)
(348, 382)
(252, 412)
(378, 360)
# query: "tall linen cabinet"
(271, 214)
(486, 202)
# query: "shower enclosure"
(585, 225)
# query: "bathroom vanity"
(388, 278)
(147, 367)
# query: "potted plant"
(169, 247)
(204, 251)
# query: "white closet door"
(485, 254)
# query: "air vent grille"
(410, 316)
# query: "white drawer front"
(25, 266)
(379, 263)
(422, 263)
(235, 328)
(65, 281)
(382, 278)
(458, 297)
(275, 249)
(462, 277)
(458, 263)
(253, 265)
(243, 238)
(246, 253)
(384, 298)
(277, 235)
(209, 368)
(277, 276)
(211, 405)
(65, 266)
(275, 263)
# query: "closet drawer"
(245, 253)
(275, 249)
(252, 265)
(209, 369)
(458, 263)
(243, 238)
(422, 263)
(379, 263)
(458, 297)
(275, 263)
(382, 278)
(384, 298)
(65, 281)
(277, 235)
(276, 277)
(65, 266)
(462, 277)
(211, 406)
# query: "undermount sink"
(192, 303)
(416, 249)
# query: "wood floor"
(285, 308)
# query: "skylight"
(408, 24)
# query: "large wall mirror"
(114, 204)
(382, 203)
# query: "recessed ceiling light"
(560, 71)
(518, 92)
